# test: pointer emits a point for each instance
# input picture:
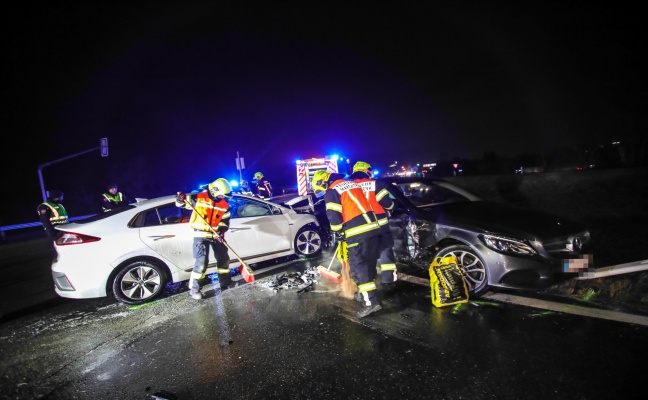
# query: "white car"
(134, 251)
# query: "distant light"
(234, 183)
(335, 157)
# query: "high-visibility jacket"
(349, 211)
(378, 196)
(57, 213)
(215, 215)
(111, 201)
(264, 188)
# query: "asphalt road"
(258, 342)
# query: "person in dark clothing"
(52, 213)
(112, 198)
(246, 189)
(378, 196)
(351, 217)
(264, 188)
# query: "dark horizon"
(179, 89)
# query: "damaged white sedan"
(134, 251)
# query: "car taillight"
(67, 238)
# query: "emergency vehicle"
(307, 168)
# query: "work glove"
(220, 234)
(181, 197)
(339, 236)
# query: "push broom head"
(326, 272)
(246, 273)
(331, 275)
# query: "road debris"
(295, 280)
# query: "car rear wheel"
(139, 282)
(473, 267)
(308, 242)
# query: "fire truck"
(307, 168)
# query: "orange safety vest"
(214, 214)
(347, 208)
(369, 187)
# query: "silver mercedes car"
(496, 245)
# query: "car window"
(163, 215)
(241, 207)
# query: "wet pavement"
(266, 341)
(290, 335)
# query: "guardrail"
(7, 228)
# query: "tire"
(308, 242)
(472, 265)
(139, 282)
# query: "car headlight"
(508, 245)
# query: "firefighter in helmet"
(378, 196)
(245, 188)
(264, 188)
(352, 217)
(210, 220)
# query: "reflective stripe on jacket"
(348, 209)
(58, 214)
(112, 198)
(215, 214)
(264, 188)
(378, 197)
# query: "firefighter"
(210, 221)
(352, 218)
(245, 188)
(112, 198)
(378, 196)
(264, 189)
(52, 213)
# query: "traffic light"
(104, 147)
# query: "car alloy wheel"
(473, 267)
(139, 282)
(308, 242)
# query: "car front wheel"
(308, 242)
(139, 282)
(473, 267)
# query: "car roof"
(142, 203)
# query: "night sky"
(179, 89)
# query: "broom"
(327, 273)
(245, 271)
